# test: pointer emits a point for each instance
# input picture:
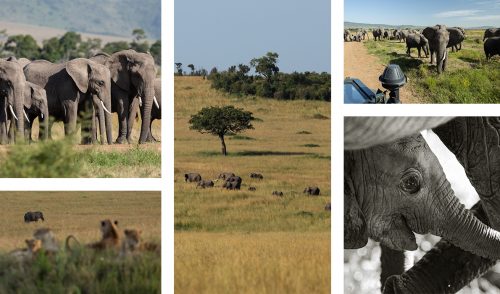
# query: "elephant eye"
(410, 182)
(101, 83)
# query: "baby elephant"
(278, 193)
(232, 183)
(417, 41)
(492, 47)
(224, 176)
(256, 176)
(192, 177)
(205, 184)
(311, 191)
(33, 216)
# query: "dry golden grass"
(252, 242)
(77, 213)
(252, 263)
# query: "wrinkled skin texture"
(12, 87)
(133, 75)
(155, 111)
(417, 41)
(79, 85)
(493, 32)
(400, 188)
(492, 47)
(438, 37)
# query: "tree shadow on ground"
(255, 153)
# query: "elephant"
(277, 193)
(12, 87)
(155, 110)
(492, 47)
(457, 36)
(313, 191)
(365, 34)
(33, 216)
(252, 188)
(417, 41)
(347, 36)
(377, 33)
(438, 37)
(79, 85)
(205, 184)
(256, 176)
(192, 177)
(226, 175)
(132, 76)
(232, 183)
(397, 188)
(402, 35)
(328, 206)
(386, 34)
(493, 32)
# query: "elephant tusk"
(444, 55)
(156, 102)
(140, 101)
(41, 115)
(26, 116)
(12, 111)
(105, 109)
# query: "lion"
(110, 237)
(33, 246)
(132, 243)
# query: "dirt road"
(359, 64)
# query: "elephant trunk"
(19, 113)
(441, 59)
(146, 111)
(102, 126)
(463, 229)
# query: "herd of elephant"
(85, 90)
(433, 40)
(233, 182)
(394, 186)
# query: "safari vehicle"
(393, 78)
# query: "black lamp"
(392, 79)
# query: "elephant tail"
(67, 245)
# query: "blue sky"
(466, 13)
(222, 33)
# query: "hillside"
(107, 17)
(348, 25)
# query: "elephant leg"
(133, 110)
(70, 118)
(86, 122)
(95, 122)
(444, 269)
(122, 107)
(392, 263)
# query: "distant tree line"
(268, 82)
(71, 45)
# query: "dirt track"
(359, 64)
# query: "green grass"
(131, 157)
(469, 78)
(81, 271)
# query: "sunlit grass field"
(468, 78)
(252, 242)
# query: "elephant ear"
(119, 70)
(79, 70)
(355, 234)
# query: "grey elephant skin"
(79, 85)
(313, 191)
(12, 87)
(377, 34)
(492, 47)
(457, 36)
(33, 216)
(226, 175)
(205, 184)
(133, 75)
(438, 37)
(391, 190)
(192, 177)
(232, 183)
(493, 32)
(417, 41)
(35, 106)
(155, 110)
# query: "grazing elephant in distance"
(412, 196)
(75, 87)
(417, 41)
(256, 176)
(311, 191)
(493, 32)
(33, 216)
(224, 176)
(438, 37)
(377, 33)
(132, 76)
(328, 206)
(232, 183)
(12, 98)
(251, 188)
(457, 36)
(192, 177)
(492, 47)
(278, 193)
(205, 184)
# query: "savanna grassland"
(243, 241)
(60, 158)
(468, 78)
(80, 270)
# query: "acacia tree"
(266, 65)
(219, 121)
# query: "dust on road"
(358, 63)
